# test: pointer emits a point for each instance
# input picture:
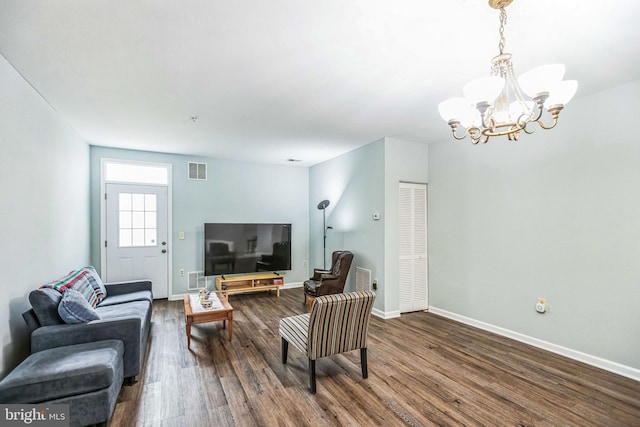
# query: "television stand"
(249, 283)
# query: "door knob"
(164, 251)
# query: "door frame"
(103, 211)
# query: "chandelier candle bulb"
(500, 105)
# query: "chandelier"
(496, 105)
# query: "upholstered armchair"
(332, 281)
(337, 323)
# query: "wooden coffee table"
(205, 316)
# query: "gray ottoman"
(87, 377)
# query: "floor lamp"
(323, 207)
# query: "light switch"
(181, 235)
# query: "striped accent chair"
(336, 324)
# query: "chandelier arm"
(539, 101)
(527, 131)
(523, 121)
(461, 137)
(554, 110)
(454, 128)
(543, 126)
(475, 133)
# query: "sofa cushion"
(134, 309)
(63, 371)
(45, 304)
(74, 308)
(124, 298)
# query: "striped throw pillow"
(78, 281)
(96, 283)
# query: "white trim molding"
(385, 314)
(598, 362)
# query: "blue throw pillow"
(74, 308)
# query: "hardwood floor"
(424, 370)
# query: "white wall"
(555, 215)
(44, 204)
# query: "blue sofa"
(124, 314)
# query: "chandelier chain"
(503, 22)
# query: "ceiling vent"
(197, 171)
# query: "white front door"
(136, 230)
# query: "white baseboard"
(293, 285)
(598, 362)
(177, 297)
(385, 314)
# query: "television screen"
(246, 248)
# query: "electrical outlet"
(541, 305)
(182, 272)
(374, 285)
(305, 264)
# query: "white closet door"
(413, 248)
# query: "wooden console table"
(249, 283)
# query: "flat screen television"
(231, 248)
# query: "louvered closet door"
(413, 248)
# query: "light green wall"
(44, 208)
(358, 184)
(354, 184)
(555, 215)
(404, 162)
(234, 192)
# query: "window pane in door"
(138, 237)
(137, 202)
(125, 201)
(125, 237)
(150, 237)
(125, 219)
(150, 202)
(150, 220)
(138, 219)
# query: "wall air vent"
(363, 279)
(197, 280)
(197, 171)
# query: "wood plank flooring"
(424, 370)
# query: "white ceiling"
(278, 79)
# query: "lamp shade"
(452, 109)
(541, 79)
(485, 89)
(561, 93)
(457, 109)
